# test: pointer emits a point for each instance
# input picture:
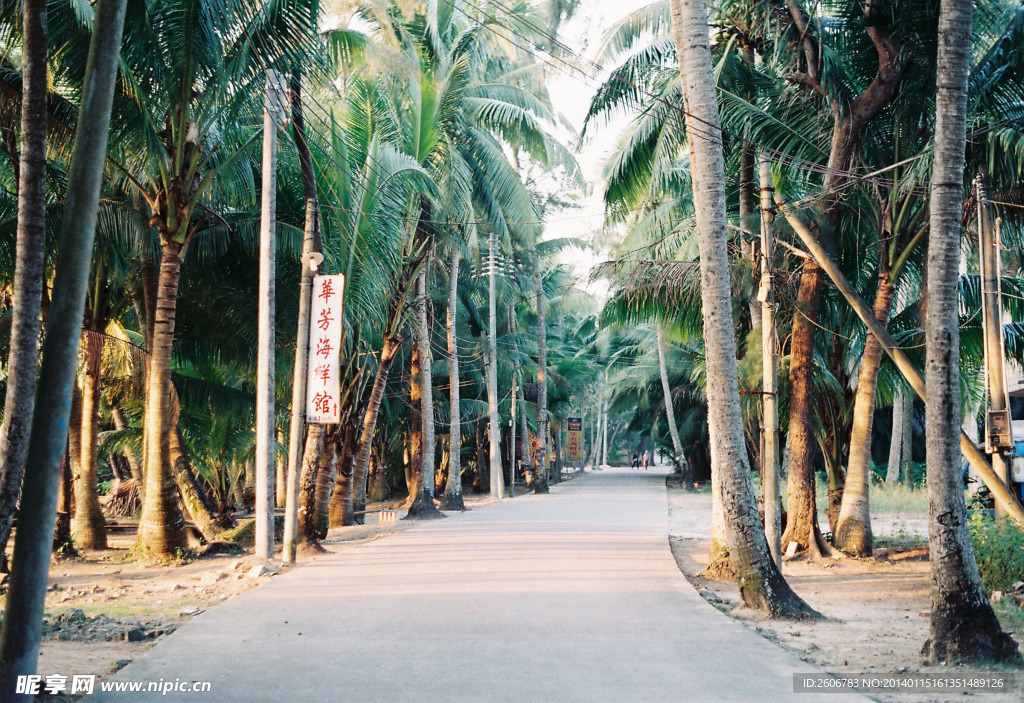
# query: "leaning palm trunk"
(760, 582)
(121, 424)
(540, 478)
(90, 527)
(853, 531)
(162, 527)
(892, 474)
(26, 595)
(387, 356)
(679, 459)
(453, 490)
(28, 270)
(963, 626)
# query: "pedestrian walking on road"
(636, 460)
(647, 460)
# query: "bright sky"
(584, 34)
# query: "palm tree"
(28, 273)
(26, 595)
(197, 88)
(761, 583)
(962, 625)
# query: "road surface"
(573, 596)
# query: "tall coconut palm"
(761, 584)
(962, 624)
(26, 595)
(194, 70)
(28, 274)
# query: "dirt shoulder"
(876, 609)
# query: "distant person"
(647, 460)
(636, 460)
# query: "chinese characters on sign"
(574, 452)
(323, 388)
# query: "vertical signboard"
(323, 387)
(574, 450)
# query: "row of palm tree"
(842, 100)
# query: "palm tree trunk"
(453, 491)
(679, 459)
(340, 507)
(26, 595)
(90, 527)
(892, 474)
(379, 491)
(853, 531)
(848, 121)
(324, 483)
(801, 504)
(422, 505)
(281, 472)
(162, 527)
(907, 437)
(63, 543)
(540, 478)
(121, 424)
(760, 582)
(963, 626)
(28, 269)
(312, 461)
(369, 425)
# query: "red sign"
(323, 383)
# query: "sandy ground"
(105, 608)
(876, 609)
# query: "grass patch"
(899, 499)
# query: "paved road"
(568, 597)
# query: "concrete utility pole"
(310, 260)
(497, 479)
(770, 362)
(604, 425)
(273, 115)
(998, 434)
(512, 442)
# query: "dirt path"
(877, 608)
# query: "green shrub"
(999, 550)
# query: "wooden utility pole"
(770, 364)
(273, 114)
(1000, 492)
(497, 480)
(310, 260)
(998, 433)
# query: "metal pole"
(309, 264)
(497, 480)
(974, 456)
(770, 362)
(997, 444)
(265, 440)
